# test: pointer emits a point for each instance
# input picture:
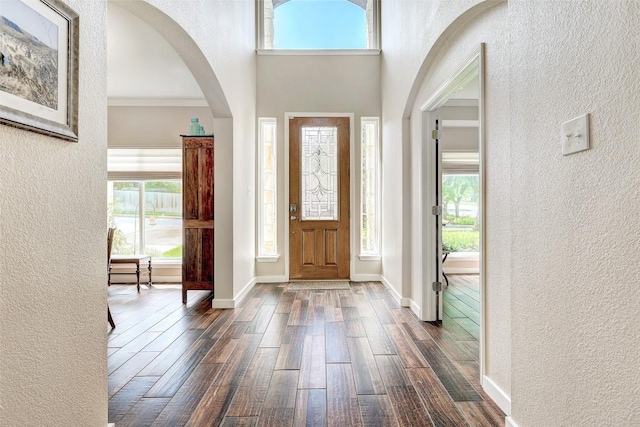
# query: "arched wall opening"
(156, 110)
(483, 23)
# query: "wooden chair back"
(110, 234)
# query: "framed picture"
(39, 67)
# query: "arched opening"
(158, 79)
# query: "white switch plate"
(575, 135)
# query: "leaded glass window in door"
(319, 183)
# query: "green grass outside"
(460, 241)
(173, 253)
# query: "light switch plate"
(575, 135)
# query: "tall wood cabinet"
(197, 213)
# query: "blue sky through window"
(319, 24)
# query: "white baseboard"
(271, 279)
(508, 422)
(496, 394)
(396, 296)
(222, 303)
(232, 303)
(244, 292)
(414, 307)
(365, 278)
(111, 425)
(461, 270)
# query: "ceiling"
(142, 66)
(471, 90)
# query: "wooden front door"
(319, 198)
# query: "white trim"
(463, 75)
(461, 270)
(496, 394)
(244, 292)
(396, 296)
(157, 102)
(365, 278)
(370, 257)
(232, 303)
(459, 123)
(222, 303)
(378, 186)
(265, 256)
(472, 66)
(111, 425)
(508, 422)
(415, 307)
(318, 52)
(352, 183)
(271, 279)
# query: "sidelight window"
(370, 188)
(267, 190)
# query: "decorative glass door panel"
(319, 184)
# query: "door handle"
(293, 217)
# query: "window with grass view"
(319, 24)
(460, 194)
(370, 187)
(147, 216)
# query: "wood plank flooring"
(461, 305)
(292, 358)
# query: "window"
(370, 189)
(318, 24)
(144, 198)
(147, 216)
(460, 193)
(267, 190)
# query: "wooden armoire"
(197, 213)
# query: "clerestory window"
(318, 24)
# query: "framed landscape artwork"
(39, 67)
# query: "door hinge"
(435, 134)
(436, 210)
(437, 286)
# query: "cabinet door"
(198, 220)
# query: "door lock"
(293, 208)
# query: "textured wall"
(424, 43)
(324, 84)
(488, 27)
(412, 32)
(53, 257)
(224, 32)
(575, 239)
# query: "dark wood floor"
(461, 305)
(335, 357)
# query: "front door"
(319, 197)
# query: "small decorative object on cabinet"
(197, 213)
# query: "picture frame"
(39, 67)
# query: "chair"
(109, 245)
(444, 258)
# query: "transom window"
(318, 24)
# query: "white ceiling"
(470, 91)
(141, 65)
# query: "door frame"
(475, 63)
(352, 181)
